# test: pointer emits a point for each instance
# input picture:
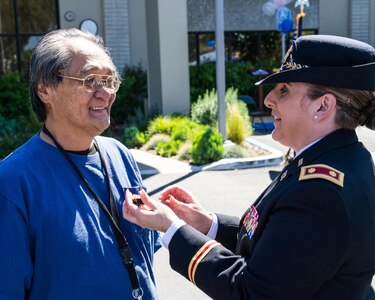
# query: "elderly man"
(61, 192)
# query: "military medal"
(250, 221)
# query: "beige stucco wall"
(138, 33)
(82, 9)
(334, 17)
(168, 70)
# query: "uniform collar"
(334, 140)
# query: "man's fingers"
(147, 201)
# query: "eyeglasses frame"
(83, 81)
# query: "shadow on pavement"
(160, 188)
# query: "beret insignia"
(197, 258)
(322, 171)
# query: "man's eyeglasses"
(93, 82)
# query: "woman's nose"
(268, 100)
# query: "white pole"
(220, 66)
(282, 47)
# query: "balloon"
(211, 43)
(281, 3)
(269, 8)
(286, 26)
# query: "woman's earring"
(315, 117)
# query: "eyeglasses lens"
(94, 82)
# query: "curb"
(150, 164)
(275, 158)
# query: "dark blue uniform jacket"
(311, 237)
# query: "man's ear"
(327, 106)
(43, 92)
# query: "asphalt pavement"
(228, 186)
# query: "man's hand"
(151, 214)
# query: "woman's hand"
(151, 214)
(187, 208)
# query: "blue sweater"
(56, 242)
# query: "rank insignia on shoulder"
(322, 171)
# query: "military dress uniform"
(310, 235)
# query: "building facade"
(164, 36)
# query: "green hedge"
(237, 75)
(17, 121)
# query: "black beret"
(327, 60)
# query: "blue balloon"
(286, 26)
(211, 43)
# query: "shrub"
(17, 120)
(160, 125)
(204, 111)
(207, 147)
(231, 98)
(14, 97)
(236, 129)
(184, 153)
(168, 134)
(237, 75)
(168, 149)
(129, 106)
(235, 151)
(155, 139)
(132, 137)
(202, 79)
(178, 127)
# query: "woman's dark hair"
(354, 107)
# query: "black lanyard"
(137, 291)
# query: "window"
(262, 48)
(22, 23)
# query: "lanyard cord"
(137, 291)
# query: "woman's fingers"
(178, 192)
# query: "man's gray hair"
(53, 54)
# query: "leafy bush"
(231, 98)
(160, 125)
(204, 111)
(132, 137)
(184, 152)
(155, 139)
(202, 79)
(235, 151)
(129, 105)
(237, 75)
(168, 149)
(17, 120)
(172, 135)
(238, 120)
(179, 127)
(236, 129)
(207, 147)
